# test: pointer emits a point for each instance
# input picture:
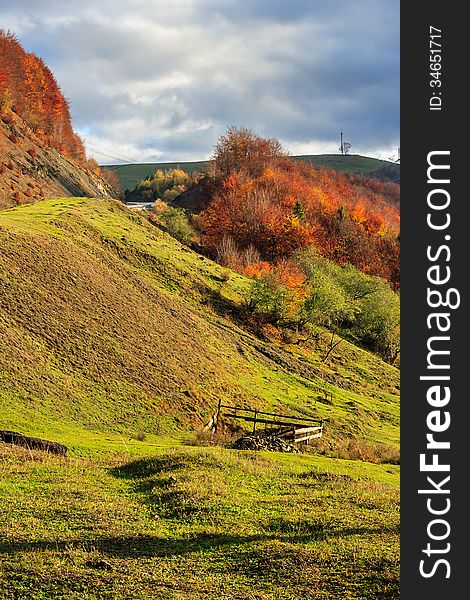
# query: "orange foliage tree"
(28, 87)
(277, 204)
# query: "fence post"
(254, 422)
(217, 415)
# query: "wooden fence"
(293, 428)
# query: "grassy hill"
(123, 329)
(118, 341)
(130, 175)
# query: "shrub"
(32, 152)
(269, 298)
(228, 254)
(351, 303)
(159, 207)
(357, 449)
(93, 166)
(177, 224)
(111, 177)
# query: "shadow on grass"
(142, 545)
(134, 546)
(309, 531)
(149, 467)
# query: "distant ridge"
(130, 174)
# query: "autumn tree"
(262, 197)
(240, 149)
(28, 87)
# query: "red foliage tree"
(28, 87)
(266, 199)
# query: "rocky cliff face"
(30, 170)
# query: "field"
(118, 341)
(198, 523)
(130, 175)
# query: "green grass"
(198, 523)
(130, 175)
(351, 163)
(123, 331)
(118, 341)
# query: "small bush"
(111, 177)
(206, 438)
(177, 224)
(32, 152)
(159, 207)
(14, 139)
(93, 166)
(228, 254)
(269, 299)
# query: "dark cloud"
(161, 79)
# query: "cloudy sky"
(160, 80)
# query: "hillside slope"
(30, 169)
(110, 327)
(118, 341)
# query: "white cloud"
(161, 79)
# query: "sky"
(161, 80)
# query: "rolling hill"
(130, 175)
(118, 341)
(123, 330)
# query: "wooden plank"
(308, 429)
(249, 410)
(292, 435)
(258, 420)
(308, 437)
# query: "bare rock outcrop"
(30, 170)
